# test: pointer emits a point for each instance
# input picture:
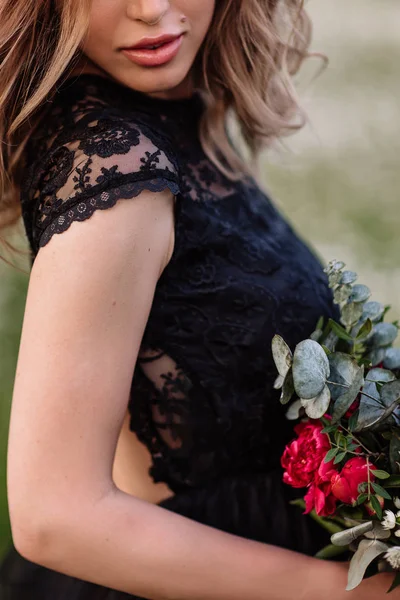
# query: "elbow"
(31, 535)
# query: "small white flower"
(397, 533)
(393, 557)
(389, 522)
(396, 501)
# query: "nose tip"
(148, 11)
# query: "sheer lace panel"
(103, 160)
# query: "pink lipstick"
(152, 52)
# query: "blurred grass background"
(337, 181)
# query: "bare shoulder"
(89, 297)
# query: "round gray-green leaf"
(373, 310)
(336, 265)
(348, 277)
(310, 369)
(342, 293)
(351, 313)
(334, 278)
(316, 407)
(360, 293)
(383, 334)
(282, 355)
(376, 356)
(392, 358)
(379, 375)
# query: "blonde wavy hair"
(245, 67)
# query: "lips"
(154, 52)
(153, 43)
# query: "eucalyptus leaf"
(316, 407)
(287, 388)
(373, 310)
(392, 358)
(334, 272)
(378, 532)
(344, 538)
(354, 381)
(282, 355)
(377, 406)
(380, 375)
(310, 369)
(293, 412)
(371, 407)
(278, 383)
(336, 265)
(348, 277)
(367, 551)
(383, 334)
(351, 313)
(343, 370)
(342, 293)
(360, 293)
(376, 356)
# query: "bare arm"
(88, 301)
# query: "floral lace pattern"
(202, 397)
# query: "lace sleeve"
(94, 165)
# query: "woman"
(145, 434)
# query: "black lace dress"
(238, 274)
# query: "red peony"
(302, 457)
(345, 484)
(319, 495)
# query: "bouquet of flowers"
(346, 377)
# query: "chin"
(159, 80)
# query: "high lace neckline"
(192, 105)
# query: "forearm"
(140, 548)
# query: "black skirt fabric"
(253, 506)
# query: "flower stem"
(358, 441)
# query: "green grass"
(14, 288)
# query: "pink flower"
(302, 457)
(319, 495)
(345, 484)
